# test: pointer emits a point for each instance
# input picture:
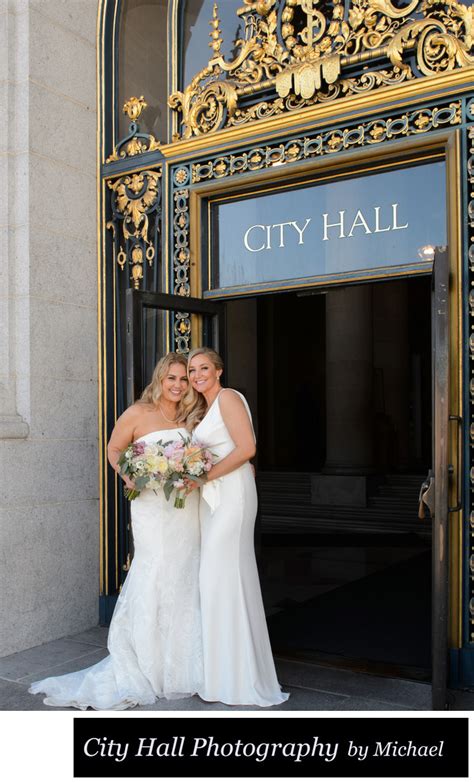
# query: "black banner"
(270, 747)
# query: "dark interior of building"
(339, 382)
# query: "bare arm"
(237, 421)
(122, 435)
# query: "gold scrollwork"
(135, 143)
(319, 144)
(181, 243)
(314, 52)
(134, 107)
(136, 199)
(182, 332)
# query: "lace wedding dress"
(238, 661)
(155, 634)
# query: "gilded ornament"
(215, 34)
(293, 151)
(121, 258)
(181, 176)
(150, 254)
(137, 275)
(422, 121)
(135, 143)
(135, 147)
(322, 144)
(319, 54)
(137, 255)
(135, 201)
(134, 107)
(377, 132)
(335, 142)
(220, 168)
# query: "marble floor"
(312, 687)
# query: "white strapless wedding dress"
(155, 634)
(238, 660)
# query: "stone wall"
(48, 321)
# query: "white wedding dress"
(155, 634)
(238, 660)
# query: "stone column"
(391, 357)
(349, 381)
(349, 394)
(49, 581)
(13, 235)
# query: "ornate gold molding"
(372, 132)
(136, 199)
(298, 53)
(135, 143)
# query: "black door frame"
(137, 300)
(439, 507)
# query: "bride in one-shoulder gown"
(155, 634)
(238, 660)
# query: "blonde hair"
(194, 403)
(152, 393)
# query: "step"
(286, 525)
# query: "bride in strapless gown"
(238, 661)
(155, 634)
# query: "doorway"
(339, 383)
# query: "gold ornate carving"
(181, 243)
(134, 107)
(315, 51)
(136, 200)
(319, 144)
(135, 143)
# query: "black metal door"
(436, 494)
(158, 323)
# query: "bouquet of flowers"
(167, 466)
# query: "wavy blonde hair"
(152, 393)
(193, 402)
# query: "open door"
(158, 323)
(435, 490)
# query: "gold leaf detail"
(334, 142)
(181, 176)
(377, 132)
(422, 121)
(134, 107)
(320, 53)
(137, 255)
(135, 147)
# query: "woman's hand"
(128, 482)
(191, 485)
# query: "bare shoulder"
(230, 397)
(230, 400)
(125, 426)
(131, 414)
